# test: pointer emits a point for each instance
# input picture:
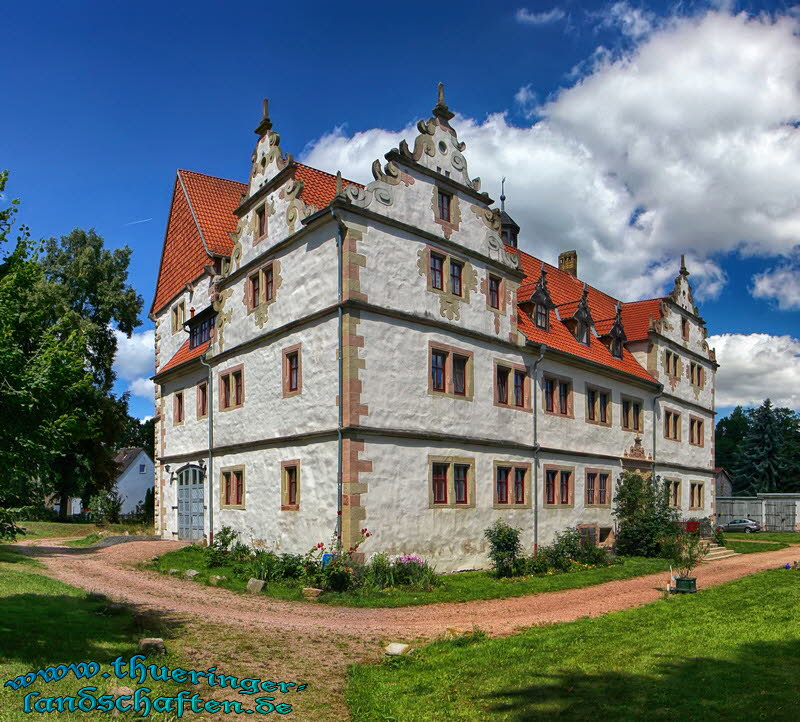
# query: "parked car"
(748, 526)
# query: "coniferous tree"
(729, 437)
(760, 466)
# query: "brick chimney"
(568, 261)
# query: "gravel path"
(109, 572)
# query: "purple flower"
(411, 559)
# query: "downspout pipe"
(536, 447)
(210, 463)
(655, 427)
(339, 355)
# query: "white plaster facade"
(373, 335)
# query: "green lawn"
(746, 547)
(85, 534)
(462, 587)
(44, 622)
(730, 652)
(786, 538)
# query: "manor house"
(332, 356)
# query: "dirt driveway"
(109, 572)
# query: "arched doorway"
(190, 503)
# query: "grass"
(462, 587)
(700, 656)
(84, 541)
(44, 622)
(743, 547)
(56, 529)
(785, 537)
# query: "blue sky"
(592, 111)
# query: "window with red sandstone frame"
(437, 271)
(233, 487)
(438, 362)
(460, 472)
(440, 483)
(494, 292)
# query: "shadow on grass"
(760, 683)
(45, 629)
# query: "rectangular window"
(202, 399)
(591, 483)
(685, 328)
(290, 485)
(269, 284)
(696, 495)
(438, 360)
(519, 486)
(541, 317)
(178, 408)
(674, 493)
(233, 488)
(563, 398)
(549, 393)
(178, 316)
(455, 277)
(444, 205)
(696, 374)
(261, 222)
(459, 375)
(597, 405)
(631, 415)
(255, 289)
(519, 388)
(591, 401)
(564, 487)
(603, 408)
(460, 472)
(494, 292)
(603, 489)
(696, 431)
(142, 468)
(440, 483)
(292, 370)
(501, 481)
(550, 486)
(502, 384)
(672, 425)
(231, 389)
(437, 266)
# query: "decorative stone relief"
(496, 250)
(489, 216)
(223, 318)
(296, 210)
(637, 451)
(363, 197)
(455, 213)
(449, 303)
(260, 312)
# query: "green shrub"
(379, 572)
(504, 548)
(644, 515)
(105, 508)
(217, 553)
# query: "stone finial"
(503, 194)
(684, 272)
(266, 123)
(440, 110)
(339, 184)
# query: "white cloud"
(135, 355)
(631, 21)
(755, 367)
(781, 284)
(689, 132)
(145, 419)
(143, 388)
(525, 16)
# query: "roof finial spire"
(684, 272)
(441, 110)
(266, 123)
(503, 194)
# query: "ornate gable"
(268, 159)
(681, 292)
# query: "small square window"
(142, 468)
(178, 408)
(233, 488)
(292, 371)
(261, 222)
(202, 399)
(178, 316)
(685, 328)
(231, 389)
(541, 317)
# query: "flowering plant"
(685, 550)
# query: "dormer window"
(541, 317)
(444, 205)
(616, 348)
(583, 332)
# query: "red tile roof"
(202, 218)
(636, 317)
(183, 355)
(565, 292)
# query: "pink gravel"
(109, 571)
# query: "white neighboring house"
(135, 477)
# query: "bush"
(504, 548)
(379, 572)
(685, 550)
(105, 508)
(644, 515)
(218, 552)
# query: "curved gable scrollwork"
(496, 250)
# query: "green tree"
(729, 436)
(42, 369)
(643, 513)
(761, 464)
